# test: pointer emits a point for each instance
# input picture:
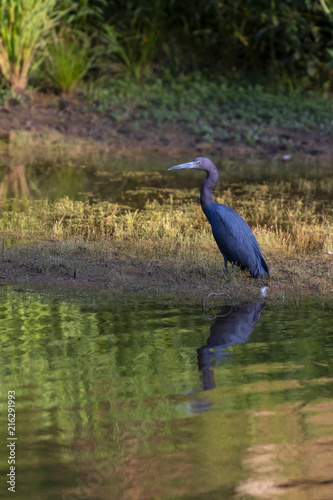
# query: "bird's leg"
(225, 266)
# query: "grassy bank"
(167, 247)
(283, 223)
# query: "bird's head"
(200, 163)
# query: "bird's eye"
(199, 162)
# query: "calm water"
(144, 402)
(132, 184)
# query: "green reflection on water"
(132, 183)
(119, 390)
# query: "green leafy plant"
(216, 109)
(136, 53)
(23, 26)
(69, 58)
(132, 39)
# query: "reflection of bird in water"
(232, 234)
(232, 326)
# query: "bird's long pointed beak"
(190, 164)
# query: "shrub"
(68, 59)
(23, 26)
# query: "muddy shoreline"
(121, 273)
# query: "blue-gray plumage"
(232, 234)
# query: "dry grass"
(168, 245)
(293, 227)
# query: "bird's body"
(232, 234)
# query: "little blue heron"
(232, 234)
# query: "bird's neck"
(206, 189)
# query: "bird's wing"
(235, 239)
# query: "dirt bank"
(67, 120)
